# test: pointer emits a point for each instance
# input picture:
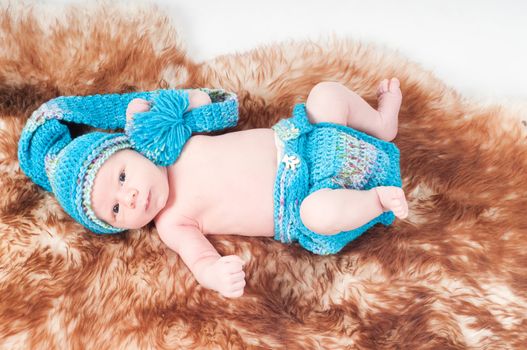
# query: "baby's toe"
(398, 208)
(394, 85)
(403, 210)
(399, 212)
(399, 204)
(383, 87)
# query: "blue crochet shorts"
(326, 155)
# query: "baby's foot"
(392, 198)
(389, 96)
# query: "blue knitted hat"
(67, 167)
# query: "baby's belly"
(241, 214)
(233, 182)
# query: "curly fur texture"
(451, 276)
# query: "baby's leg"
(335, 103)
(329, 212)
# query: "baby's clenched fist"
(226, 276)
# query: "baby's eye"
(122, 176)
(116, 209)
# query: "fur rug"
(451, 276)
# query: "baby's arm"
(222, 274)
(197, 98)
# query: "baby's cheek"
(97, 209)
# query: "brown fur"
(451, 276)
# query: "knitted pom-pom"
(161, 133)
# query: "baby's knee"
(318, 215)
(327, 103)
(324, 90)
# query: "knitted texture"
(327, 155)
(72, 173)
(54, 161)
(161, 133)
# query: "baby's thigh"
(327, 103)
(321, 211)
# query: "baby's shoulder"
(173, 216)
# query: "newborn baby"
(238, 183)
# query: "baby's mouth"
(147, 201)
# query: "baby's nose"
(131, 197)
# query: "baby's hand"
(198, 98)
(137, 105)
(226, 276)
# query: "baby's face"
(129, 190)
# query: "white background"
(478, 47)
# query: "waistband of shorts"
(279, 148)
(291, 183)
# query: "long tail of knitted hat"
(67, 167)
